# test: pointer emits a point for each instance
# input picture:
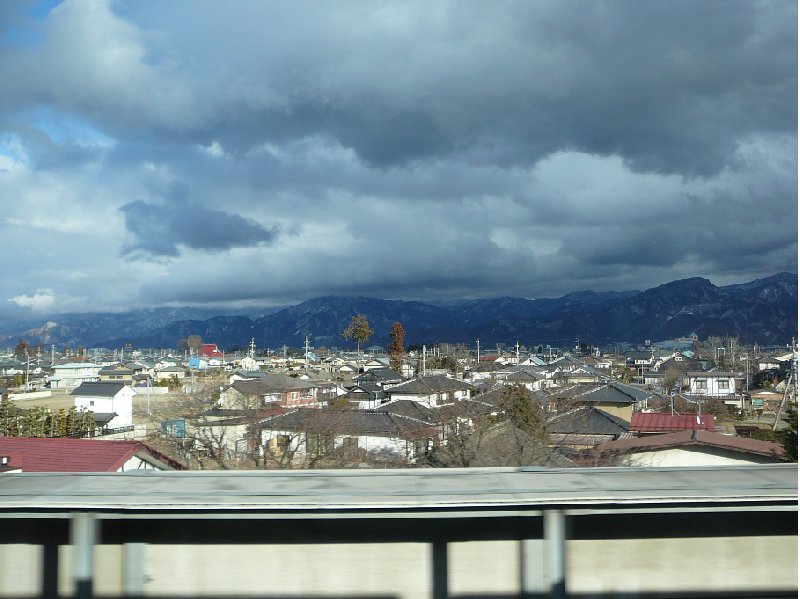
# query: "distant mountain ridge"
(763, 311)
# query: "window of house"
(702, 384)
(282, 442)
(422, 446)
(350, 446)
(318, 444)
(723, 385)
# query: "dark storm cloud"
(671, 87)
(422, 149)
(161, 229)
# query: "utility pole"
(517, 348)
(307, 349)
(789, 383)
(423, 359)
(479, 351)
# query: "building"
(320, 436)
(712, 383)
(654, 422)
(71, 374)
(29, 454)
(107, 398)
(688, 448)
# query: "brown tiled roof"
(696, 437)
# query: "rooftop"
(322, 493)
(75, 455)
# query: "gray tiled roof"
(409, 409)
(601, 393)
(379, 374)
(270, 383)
(587, 420)
(348, 422)
(103, 389)
(429, 384)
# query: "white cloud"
(41, 301)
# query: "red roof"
(209, 350)
(75, 455)
(653, 422)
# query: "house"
(283, 390)
(365, 396)
(376, 363)
(69, 375)
(198, 363)
(639, 359)
(769, 364)
(712, 383)
(615, 398)
(107, 398)
(170, 373)
(383, 377)
(654, 422)
(29, 454)
(210, 350)
(324, 436)
(346, 370)
(116, 373)
(531, 378)
(431, 390)
(585, 427)
(678, 363)
(688, 448)
(766, 399)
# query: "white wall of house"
(136, 463)
(297, 442)
(717, 386)
(69, 376)
(694, 455)
(121, 403)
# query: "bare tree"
(514, 433)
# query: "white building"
(714, 383)
(72, 374)
(106, 398)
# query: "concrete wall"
(404, 570)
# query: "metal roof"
(330, 491)
(74, 455)
(649, 422)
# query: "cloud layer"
(269, 152)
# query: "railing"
(102, 432)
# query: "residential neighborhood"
(577, 406)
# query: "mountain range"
(763, 311)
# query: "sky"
(247, 153)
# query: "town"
(677, 402)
